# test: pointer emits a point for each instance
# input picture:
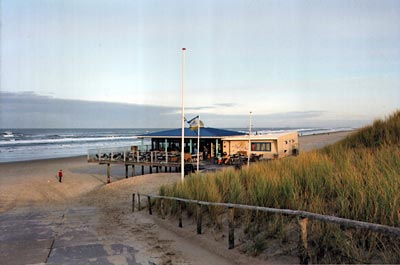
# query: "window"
(261, 147)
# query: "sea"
(35, 144)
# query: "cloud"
(30, 110)
(293, 119)
(215, 108)
(295, 115)
(226, 105)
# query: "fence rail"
(388, 230)
(303, 217)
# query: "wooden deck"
(155, 161)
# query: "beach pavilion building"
(230, 147)
(210, 140)
(266, 146)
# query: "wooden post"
(151, 157)
(151, 169)
(199, 219)
(166, 169)
(149, 204)
(303, 245)
(170, 169)
(133, 202)
(138, 199)
(180, 213)
(156, 169)
(162, 208)
(231, 238)
(126, 171)
(142, 169)
(133, 170)
(108, 173)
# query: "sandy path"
(33, 187)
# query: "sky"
(97, 63)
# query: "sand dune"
(33, 187)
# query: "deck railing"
(125, 154)
(302, 216)
(109, 153)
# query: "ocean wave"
(7, 134)
(64, 140)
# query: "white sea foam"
(65, 140)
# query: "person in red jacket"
(60, 175)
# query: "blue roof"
(205, 132)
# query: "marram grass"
(357, 178)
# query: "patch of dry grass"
(357, 178)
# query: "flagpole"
(248, 155)
(183, 119)
(198, 143)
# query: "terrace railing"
(125, 154)
(302, 216)
(109, 153)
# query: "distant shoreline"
(46, 160)
(328, 133)
(318, 141)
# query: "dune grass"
(357, 178)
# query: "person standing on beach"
(60, 175)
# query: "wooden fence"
(302, 216)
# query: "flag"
(195, 122)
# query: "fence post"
(231, 216)
(126, 171)
(108, 173)
(162, 208)
(133, 202)
(180, 213)
(303, 245)
(199, 218)
(149, 203)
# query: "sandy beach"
(102, 212)
(317, 141)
